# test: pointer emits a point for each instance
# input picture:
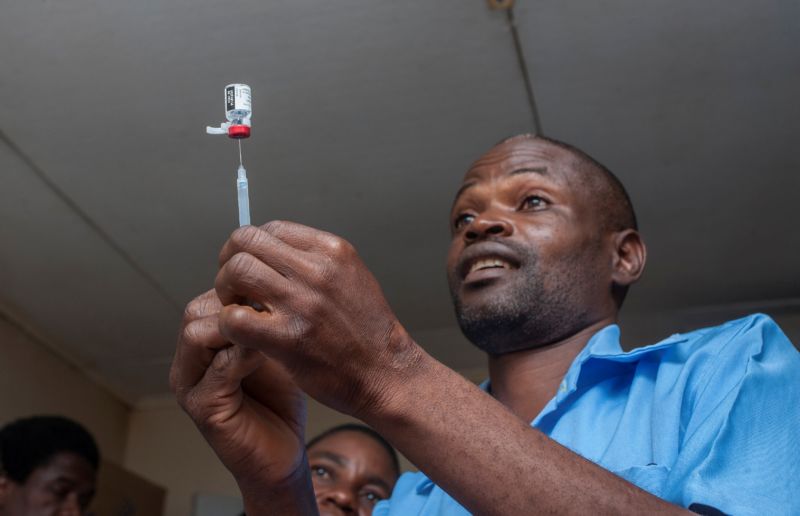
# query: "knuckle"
(202, 306)
(298, 328)
(274, 227)
(338, 247)
(191, 404)
(245, 237)
(189, 334)
(240, 264)
(194, 310)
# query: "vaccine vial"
(238, 103)
(238, 110)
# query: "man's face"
(63, 487)
(528, 263)
(351, 473)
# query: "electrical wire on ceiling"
(524, 70)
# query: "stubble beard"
(529, 311)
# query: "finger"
(198, 342)
(218, 394)
(229, 366)
(245, 279)
(277, 243)
(274, 334)
(264, 246)
(301, 237)
(270, 384)
(204, 305)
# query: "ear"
(629, 257)
(5, 487)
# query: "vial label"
(237, 98)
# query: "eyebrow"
(379, 482)
(524, 170)
(334, 457)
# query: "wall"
(165, 447)
(33, 380)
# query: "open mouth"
(487, 260)
(486, 268)
(488, 263)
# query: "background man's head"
(352, 468)
(545, 243)
(48, 467)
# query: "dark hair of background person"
(30, 443)
(353, 427)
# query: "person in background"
(352, 469)
(48, 467)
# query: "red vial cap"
(238, 131)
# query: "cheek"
(453, 253)
(39, 501)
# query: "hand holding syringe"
(238, 108)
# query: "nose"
(71, 506)
(344, 499)
(488, 224)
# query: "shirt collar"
(603, 346)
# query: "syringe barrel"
(243, 197)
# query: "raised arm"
(327, 322)
(248, 409)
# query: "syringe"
(241, 189)
(238, 109)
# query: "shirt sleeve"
(741, 451)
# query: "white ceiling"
(114, 202)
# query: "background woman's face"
(351, 473)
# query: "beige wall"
(33, 380)
(165, 447)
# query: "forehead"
(358, 453)
(351, 445)
(65, 466)
(519, 154)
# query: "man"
(544, 248)
(352, 469)
(48, 466)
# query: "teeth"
(487, 263)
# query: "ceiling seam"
(12, 319)
(89, 221)
(525, 71)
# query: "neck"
(525, 381)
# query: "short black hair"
(354, 427)
(30, 443)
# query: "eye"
(320, 471)
(463, 220)
(59, 490)
(534, 203)
(372, 497)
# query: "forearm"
(295, 497)
(491, 461)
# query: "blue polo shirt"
(708, 418)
